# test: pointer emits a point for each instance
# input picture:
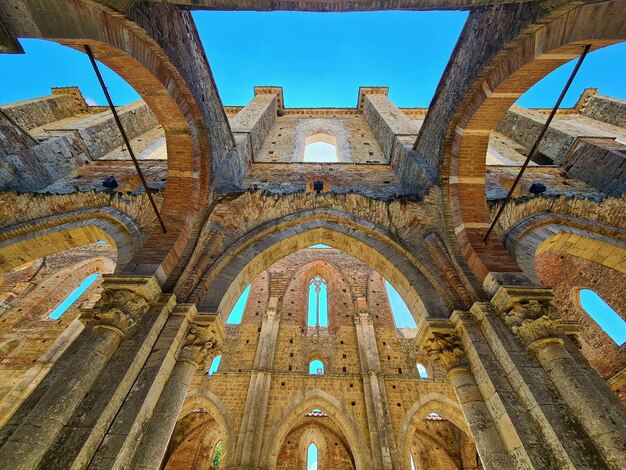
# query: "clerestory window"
(320, 148)
(318, 302)
(421, 370)
(215, 364)
(73, 297)
(311, 457)
(316, 367)
(602, 313)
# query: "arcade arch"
(533, 54)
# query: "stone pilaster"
(124, 302)
(443, 345)
(191, 357)
(248, 452)
(536, 324)
(377, 405)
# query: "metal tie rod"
(124, 136)
(535, 147)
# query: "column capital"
(196, 345)
(123, 302)
(529, 312)
(443, 345)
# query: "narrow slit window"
(311, 457)
(215, 364)
(73, 297)
(318, 302)
(602, 313)
(316, 367)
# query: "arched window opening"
(316, 367)
(320, 148)
(217, 455)
(318, 302)
(401, 314)
(311, 457)
(602, 313)
(421, 370)
(234, 318)
(215, 364)
(72, 297)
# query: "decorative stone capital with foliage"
(529, 312)
(445, 349)
(196, 345)
(124, 300)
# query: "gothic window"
(311, 457)
(600, 312)
(234, 318)
(215, 364)
(72, 297)
(318, 302)
(421, 370)
(316, 367)
(320, 148)
(401, 314)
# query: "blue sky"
(72, 297)
(320, 59)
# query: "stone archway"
(35, 239)
(506, 71)
(317, 399)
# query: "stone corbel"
(124, 301)
(530, 313)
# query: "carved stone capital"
(119, 311)
(445, 349)
(530, 313)
(196, 345)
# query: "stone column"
(191, 357)
(535, 323)
(377, 407)
(249, 443)
(124, 302)
(443, 345)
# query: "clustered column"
(114, 318)
(536, 324)
(444, 347)
(191, 356)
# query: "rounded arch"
(316, 399)
(139, 51)
(35, 239)
(585, 239)
(206, 400)
(536, 51)
(263, 246)
(430, 403)
(315, 130)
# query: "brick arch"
(421, 287)
(37, 238)
(339, 414)
(579, 237)
(430, 403)
(536, 51)
(211, 403)
(136, 55)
